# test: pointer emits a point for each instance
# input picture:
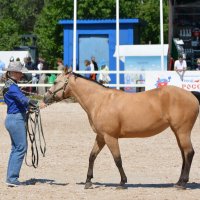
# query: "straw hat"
(15, 67)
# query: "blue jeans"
(15, 124)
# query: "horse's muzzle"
(48, 98)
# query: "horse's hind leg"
(187, 152)
(98, 146)
(113, 145)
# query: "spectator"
(93, 61)
(180, 66)
(94, 67)
(87, 68)
(30, 66)
(31, 77)
(43, 78)
(104, 78)
(12, 59)
(60, 66)
(2, 66)
(40, 64)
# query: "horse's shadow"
(34, 181)
(191, 186)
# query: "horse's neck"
(87, 93)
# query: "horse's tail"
(197, 95)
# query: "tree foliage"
(49, 32)
(41, 18)
(9, 30)
(17, 17)
(149, 11)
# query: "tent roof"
(141, 50)
(101, 21)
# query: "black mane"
(80, 76)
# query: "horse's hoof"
(88, 185)
(180, 187)
(121, 187)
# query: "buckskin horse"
(115, 114)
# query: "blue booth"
(98, 38)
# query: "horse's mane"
(80, 76)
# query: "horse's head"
(59, 89)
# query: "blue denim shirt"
(16, 101)
(88, 68)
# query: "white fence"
(152, 79)
(81, 72)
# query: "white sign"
(156, 79)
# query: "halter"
(61, 88)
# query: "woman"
(17, 105)
(88, 68)
(104, 78)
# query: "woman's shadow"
(34, 181)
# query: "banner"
(156, 79)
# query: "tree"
(17, 17)
(49, 32)
(149, 11)
(9, 30)
(41, 18)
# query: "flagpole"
(74, 35)
(117, 45)
(161, 35)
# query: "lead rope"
(35, 132)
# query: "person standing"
(17, 106)
(94, 66)
(2, 66)
(60, 66)
(180, 66)
(104, 77)
(87, 68)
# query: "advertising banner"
(156, 79)
(144, 63)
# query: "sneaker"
(14, 184)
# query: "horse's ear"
(65, 70)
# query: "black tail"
(197, 95)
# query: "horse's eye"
(54, 82)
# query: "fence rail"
(79, 72)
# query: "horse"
(115, 114)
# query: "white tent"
(141, 50)
(6, 55)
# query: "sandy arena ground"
(152, 164)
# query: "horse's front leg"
(98, 146)
(113, 145)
